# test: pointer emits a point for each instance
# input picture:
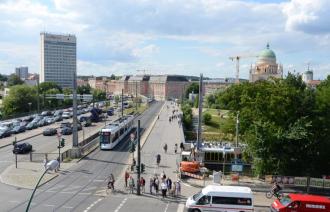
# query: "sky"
(169, 36)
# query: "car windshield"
(285, 201)
(197, 196)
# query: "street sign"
(236, 167)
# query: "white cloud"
(310, 16)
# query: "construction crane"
(237, 58)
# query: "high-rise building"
(22, 72)
(58, 59)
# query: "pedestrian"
(163, 175)
(175, 148)
(151, 184)
(178, 188)
(173, 189)
(169, 184)
(131, 184)
(142, 184)
(156, 185)
(165, 148)
(181, 146)
(164, 188)
(126, 177)
(45, 163)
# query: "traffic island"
(27, 174)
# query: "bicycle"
(110, 187)
(277, 194)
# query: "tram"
(113, 133)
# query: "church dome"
(267, 56)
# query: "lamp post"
(51, 165)
(30, 103)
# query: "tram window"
(121, 131)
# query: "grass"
(141, 109)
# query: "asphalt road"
(79, 188)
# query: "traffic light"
(137, 168)
(142, 167)
(62, 142)
(132, 148)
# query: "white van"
(221, 198)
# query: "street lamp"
(30, 103)
(51, 165)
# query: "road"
(82, 186)
(45, 144)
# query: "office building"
(58, 59)
(22, 72)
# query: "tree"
(192, 88)
(45, 86)
(67, 91)
(3, 78)
(84, 89)
(14, 80)
(207, 118)
(99, 95)
(113, 77)
(52, 103)
(18, 99)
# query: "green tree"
(14, 80)
(67, 91)
(192, 88)
(84, 89)
(187, 116)
(99, 95)
(207, 118)
(3, 78)
(52, 103)
(113, 77)
(18, 99)
(45, 86)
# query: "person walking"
(151, 184)
(175, 148)
(164, 188)
(156, 185)
(165, 148)
(173, 189)
(158, 160)
(131, 184)
(178, 188)
(181, 146)
(126, 178)
(169, 184)
(142, 184)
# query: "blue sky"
(169, 36)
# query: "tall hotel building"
(58, 59)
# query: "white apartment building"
(58, 59)
(22, 72)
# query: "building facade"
(22, 72)
(58, 59)
(266, 66)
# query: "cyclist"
(276, 188)
(111, 182)
(158, 159)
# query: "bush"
(207, 118)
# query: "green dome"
(267, 53)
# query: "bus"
(113, 133)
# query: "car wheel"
(195, 210)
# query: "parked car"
(110, 112)
(66, 115)
(79, 127)
(24, 123)
(66, 131)
(65, 124)
(58, 113)
(58, 118)
(83, 118)
(18, 129)
(22, 148)
(32, 125)
(5, 132)
(50, 120)
(42, 123)
(49, 132)
(46, 113)
(27, 118)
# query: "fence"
(39, 157)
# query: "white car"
(66, 115)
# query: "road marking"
(180, 208)
(47, 205)
(121, 205)
(69, 207)
(14, 201)
(84, 193)
(67, 192)
(91, 205)
(166, 206)
(98, 180)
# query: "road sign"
(236, 167)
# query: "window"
(231, 200)
(105, 137)
(204, 200)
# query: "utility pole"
(74, 96)
(136, 97)
(200, 110)
(139, 159)
(38, 99)
(122, 102)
